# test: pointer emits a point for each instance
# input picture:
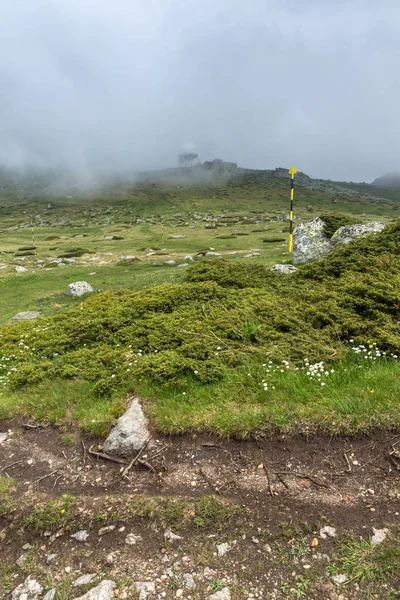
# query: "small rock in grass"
(84, 579)
(50, 594)
(183, 265)
(27, 315)
(169, 262)
(19, 269)
(132, 539)
(130, 433)
(29, 590)
(107, 529)
(170, 536)
(26, 546)
(80, 536)
(189, 258)
(78, 288)
(223, 549)
(209, 573)
(20, 562)
(379, 536)
(213, 254)
(339, 579)
(327, 531)
(50, 558)
(104, 591)
(144, 588)
(286, 269)
(3, 437)
(223, 594)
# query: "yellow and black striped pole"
(292, 172)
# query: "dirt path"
(280, 492)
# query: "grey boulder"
(27, 315)
(130, 432)
(310, 242)
(347, 233)
(78, 288)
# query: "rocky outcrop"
(310, 241)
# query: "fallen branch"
(115, 459)
(17, 462)
(268, 480)
(303, 476)
(135, 460)
(43, 477)
(348, 470)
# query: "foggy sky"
(128, 84)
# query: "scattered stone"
(132, 539)
(170, 262)
(223, 549)
(379, 536)
(144, 588)
(84, 579)
(27, 315)
(19, 269)
(104, 591)
(252, 254)
(314, 542)
(130, 433)
(107, 529)
(188, 581)
(80, 536)
(170, 536)
(26, 546)
(189, 258)
(223, 594)
(50, 558)
(209, 573)
(213, 254)
(339, 579)
(327, 531)
(29, 590)
(286, 269)
(20, 562)
(267, 548)
(177, 236)
(50, 594)
(78, 288)
(3, 437)
(183, 265)
(179, 593)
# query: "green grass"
(7, 485)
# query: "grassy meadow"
(203, 354)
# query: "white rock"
(84, 579)
(209, 573)
(170, 262)
(78, 288)
(189, 581)
(3, 437)
(19, 269)
(379, 536)
(286, 269)
(213, 254)
(132, 539)
(223, 549)
(310, 241)
(183, 265)
(29, 590)
(223, 594)
(189, 258)
(327, 531)
(339, 579)
(50, 594)
(80, 536)
(104, 591)
(170, 536)
(144, 588)
(130, 433)
(347, 233)
(107, 529)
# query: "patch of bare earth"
(266, 500)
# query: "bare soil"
(285, 487)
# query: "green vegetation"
(198, 350)
(7, 485)
(332, 222)
(52, 515)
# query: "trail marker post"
(292, 172)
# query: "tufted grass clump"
(190, 347)
(332, 222)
